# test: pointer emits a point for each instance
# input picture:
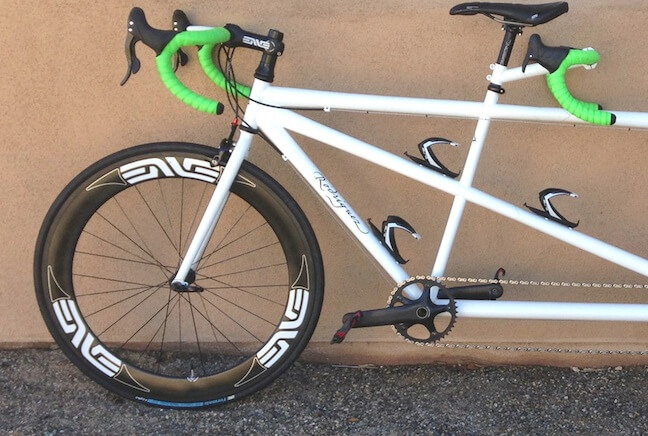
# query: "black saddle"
(512, 13)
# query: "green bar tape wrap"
(212, 71)
(584, 110)
(164, 63)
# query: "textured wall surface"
(62, 109)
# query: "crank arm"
(477, 292)
(408, 314)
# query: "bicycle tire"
(98, 235)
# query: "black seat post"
(507, 44)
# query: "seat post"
(507, 44)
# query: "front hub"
(187, 286)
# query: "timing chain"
(513, 348)
(542, 283)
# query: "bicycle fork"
(219, 198)
(212, 213)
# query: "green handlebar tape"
(584, 110)
(215, 74)
(213, 36)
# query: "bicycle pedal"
(349, 321)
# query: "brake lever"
(180, 24)
(140, 30)
(132, 60)
(549, 57)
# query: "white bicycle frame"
(275, 123)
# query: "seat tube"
(467, 175)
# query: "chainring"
(426, 331)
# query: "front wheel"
(109, 248)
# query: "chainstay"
(523, 349)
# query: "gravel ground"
(41, 393)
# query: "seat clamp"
(496, 88)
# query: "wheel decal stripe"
(112, 178)
(295, 312)
(70, 321)
(68, 327)
(55, 292)
(290, 325)
(81, 328)
(124, 376)
(282, 348)
(256, 369)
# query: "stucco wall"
(63, 109)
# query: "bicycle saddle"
(522, 15)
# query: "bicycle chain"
(542, 283)
(513, 348)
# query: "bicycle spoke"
(236, 322)
(239, 255)
(181, 216)
(247, 270)
(113, 280)
(217, 329)
(144, 325)
(135, 228)
(77, 295)
(133, 308)
(193, 221)
(227, 233)
(221, 247)
(247, 286)
(163, 323)
(193, 319)
(213, 330)
(180, 324)
(157, 221)
(208, 317)
(105, 256)
(240, 237)
(166, 208)
(129, 238)
(122, 300)
(121, 248)
(242, 308)
(166, 317)
(241, 289)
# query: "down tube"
(304, 126)
(333, 199)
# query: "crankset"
(404, 314)
(421, 320)
(428, 329)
